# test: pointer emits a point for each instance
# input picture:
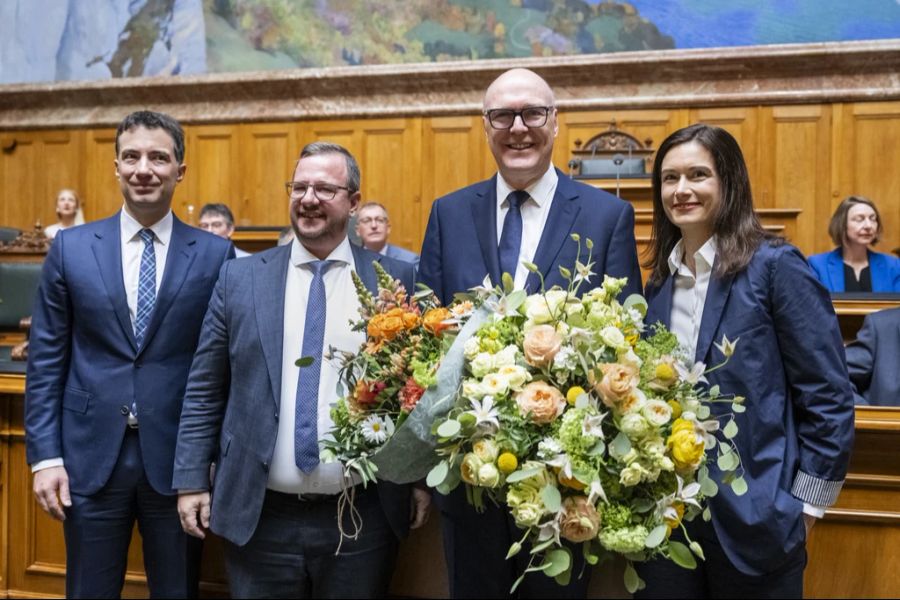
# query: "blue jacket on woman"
(884, 269)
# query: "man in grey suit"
(373, 226)
(872, 359)
(259, 417)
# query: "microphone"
(618, 159)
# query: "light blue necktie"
(146, 287)
(306, 409)
(511, 236)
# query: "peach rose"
(541, 344)
(579, 521)
(433, 320)
(617, 383)
(542, 401)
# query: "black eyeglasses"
(323, 191)
(503, 118)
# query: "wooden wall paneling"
(16, 184)
(102, 194)
(796, 165)
(453, 157)
(267, 156)
(5, 430)
(741, 122)
(212, 156)
(867, 159)
(62, 153)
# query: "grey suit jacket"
(233, 395)
(873, 358)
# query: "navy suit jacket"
(84, 367)
(402, 254)
(797, 432)
(884, 269)
(460, 245)
(873, 358)
(233, 397)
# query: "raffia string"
(346, 505)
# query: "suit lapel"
(660, 304)
(269, 282)
(836, 271)
(180, 256)
(484, 217)
(107, 249)
(716, 299)
(364, 268)
(560, 221)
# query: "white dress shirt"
(534, 216)
(342, 305)
(688, 301)
(132, 248)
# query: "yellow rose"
(507, 462)
(579, 520)
(541, 401)
(540, 345)
(573, 394)
(685, 445)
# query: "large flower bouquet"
(586, 429)
(382, 383)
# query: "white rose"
(612, 337)
(630, 358)
(472, 389)
(495, 384)
(482, 364)
(515, 375)
(471, 348)
(631, 475)
(488, 475)
(543, 308)
(634, 425)
(657, 412)
(506, 357)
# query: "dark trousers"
(716, 577)
(292, 551)
(476, 544)
(98, 531)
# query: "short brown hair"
(837, 228)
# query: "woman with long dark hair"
(717, 273)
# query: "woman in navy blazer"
(716, 272)
(856, 225)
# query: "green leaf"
(637, 302)
(449, 428)
(703, 412)
(620, 446)
(707, 515)
(559, 560)
(714, 391)
(508, 283)
(731, 429)
(305, 361)
(708, 487)
(467, 420)
(513, 550)
(739, 486)
(587, 550)
(681, 555)
(656, 537)
(438, 474)
(632, 581)
(521, 474)
(598, 448)
(543, 546)
(515, 300)
(564, 578)
(551, 497)
(642, 505)
(727, 461)
(738, 408)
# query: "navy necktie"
(306, 409)
(146, 287)
(511, 237)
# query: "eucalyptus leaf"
(637, 302)
(543, 546)
(656, 537)
(564, 578)
(642, 505)
(703, 412)
(708, 487)
(597, 449)
(730, 430)
(551, 497)
(437, 475)
(738, 408)
(620, 446)
(521, 474)
(631, 579)
(515, 300)
(559, 559)
(739, 486)
(707, 515)
(714, 391)
(449, 428)
(305, 361)
(727, 461)
(681, 555)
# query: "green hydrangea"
(571, 432)
(423, 372)
(625, 539)
(615, 516)
(661, 343)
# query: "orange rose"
(410, 319)
(433, 320)
(543, 402)
(579, 521)
(540, 345)
(386, 325)
(617, 383)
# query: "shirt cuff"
(813, 510)
(46, 464)
(815, 491)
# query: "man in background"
(374, 228)
(219, 220)
(115, 325)
(873, 357)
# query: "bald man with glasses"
(525, 213)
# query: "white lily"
(693, 376)
(727, 346)
(592, 425)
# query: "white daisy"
(377, 430)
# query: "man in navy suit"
(374, 228)
(115, 325)
(253, 412)
(527, 212)
(872, 359)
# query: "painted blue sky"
(713, 23)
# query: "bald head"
(522, 80)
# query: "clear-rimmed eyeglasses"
(532, 116)
(323, 191)
(370, 220)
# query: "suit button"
(124, 410)
(265, 467)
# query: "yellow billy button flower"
(573, 394)
(507, 463)
(664, 371)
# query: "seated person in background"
(852, 266)
(217, 219)
(68, 211)
(872, 359)
(373, 228)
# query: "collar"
(706, 256)
(301, 256)
(130, 227)
(541, 191)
